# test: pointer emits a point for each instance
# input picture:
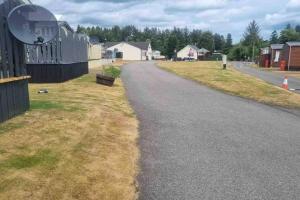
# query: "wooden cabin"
(264, 57)
(63, 59)
(291, 56)
(276, 54)
(14, 95)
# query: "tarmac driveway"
(275, 79)
(198, 143)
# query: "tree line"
(248, 47)
(170, 40)
(166, 40)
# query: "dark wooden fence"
(64, 58)
(14, 98)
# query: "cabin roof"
(277, 46)
(293, 44)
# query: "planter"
(105, 80)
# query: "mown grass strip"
(233, 82)
(44, 157)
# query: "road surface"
(275, 79)
(198, 143)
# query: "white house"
(156, 55)
(191, 51)
(130, 50)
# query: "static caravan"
(291, 56)
(62, 59)
(264, 57)
(276, 54)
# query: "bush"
(112, 71)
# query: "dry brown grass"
(120, 62)
(233, 82)
(77, 142)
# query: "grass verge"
(233, 82)
(77, 142)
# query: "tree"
(238, 52)
(252, 37)
(288, 26)
(80, 29)
(274, 38)
(219, 42)
(166, 40)
(228, 41)
(289, 35)
(171, 46)
(206, 40)
(297, 28)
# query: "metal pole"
(289, 58)
(253, 53)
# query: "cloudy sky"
(222, 16)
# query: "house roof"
(194, 47)
(140, 45)
(277, 46)
(110, 44)
(203, 50)
(293, 44)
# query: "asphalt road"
(275, 79)
(198, 143)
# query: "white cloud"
(223, 16)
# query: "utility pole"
(253, 49)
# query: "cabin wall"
(294, 57)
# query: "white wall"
(149, 52)
(129, 52)
(184, 53)
(95, 52)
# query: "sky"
(219, 16)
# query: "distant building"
(291, 55)
(192, 52)
(156, 55)
(276, 54)
(95, 49)
(129, 50)
(264, 57)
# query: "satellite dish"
(32, 24)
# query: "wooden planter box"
(105, 80)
